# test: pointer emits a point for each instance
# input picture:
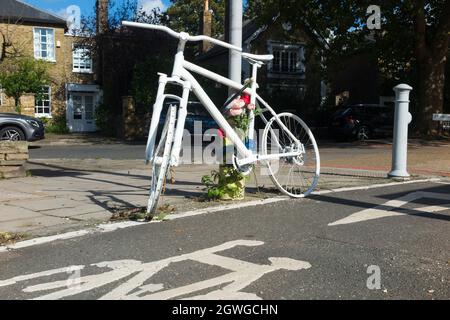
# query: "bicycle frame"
(182, 76)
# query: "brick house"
(72, 93)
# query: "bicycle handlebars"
(182, 35)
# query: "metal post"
(235, 25)
(401, 121)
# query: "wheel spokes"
(11, 135)
(294, 175)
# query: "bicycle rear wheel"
(161, 161)
(296, 176)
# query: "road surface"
(380, 243)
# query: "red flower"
(221, 133)
(246, 98)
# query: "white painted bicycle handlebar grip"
(401, 121)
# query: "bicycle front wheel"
(296, 176)
(161, 161)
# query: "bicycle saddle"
(256, 57)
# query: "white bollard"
(401, 121)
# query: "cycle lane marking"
(242, 274)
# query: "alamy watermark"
(73, 17)
(374, 19)
(374, 280)
(74, 280)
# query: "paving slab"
(10, 213)
(73, 212)
(27, 226)
(49, 204)
(96, 216)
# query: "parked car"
(17, 127)
(197, 119)
(362, 122)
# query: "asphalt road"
(123, 151)
(230, 254)
(117, 151)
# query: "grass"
(10, 238)
(129, 214)
(140, 214)
(163, 211)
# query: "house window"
(44, 44)
(82, 61)
(288, 58)
(285, 61)
(43, 107)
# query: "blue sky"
(86, 6)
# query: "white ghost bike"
(288, 146)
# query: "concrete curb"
(353, 172)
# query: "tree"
(8, 47)
(411, 46)
(23, 75)
(185, 15)
(145, 78)
(121, 51)
(431, 42)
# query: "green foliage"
(410, 47)
(226, 182)
(185, 15)
(57, 124)
(145, 80)
(104, 119)
(23, 75)
(121, 48)
(242, 121)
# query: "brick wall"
(13, 156)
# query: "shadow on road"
(444, 189)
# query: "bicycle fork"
(156, 115)
(181, 118)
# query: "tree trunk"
(17, 105)
(431, 54)
(431, 93)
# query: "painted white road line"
(443, 182)
(242, 274)
(373, 186)
(42, 240)
(109, 227)
(226, 207)
(386, 209)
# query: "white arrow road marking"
(386, 209)
(242, 274)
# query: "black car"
(17, 127)
(362, 122)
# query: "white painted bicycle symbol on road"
(241, 275)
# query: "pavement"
(79, 181)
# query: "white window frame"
(38, 45)
(298, 48)
(44, 114)
(82, 59)
(1, 95)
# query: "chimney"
(102, 30)
(206, 26)
(102, 16)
